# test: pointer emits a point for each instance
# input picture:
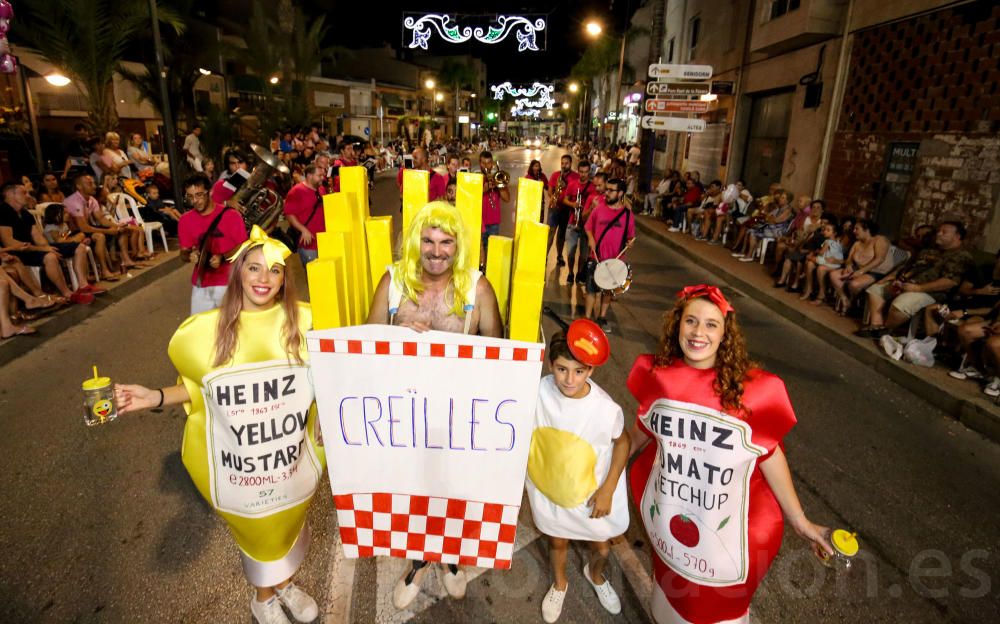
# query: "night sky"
(365, 23)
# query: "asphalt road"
(103, 525)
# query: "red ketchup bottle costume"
(712, 519)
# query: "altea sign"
(667, 71)
(677, 124)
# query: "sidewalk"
(961, 399)
(52, 325)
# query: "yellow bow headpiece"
(274, 250)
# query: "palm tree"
(302, 55)
(87, 39)
(457, 76)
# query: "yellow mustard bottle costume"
(249, 441)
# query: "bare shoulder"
(484, 290)
(378, 314)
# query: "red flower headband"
(711, 292)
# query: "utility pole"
(618, 87)
(168, 120)
(646, 146)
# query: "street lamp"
(593, 28)
(204, 72)
(565, 105)
(429, 83)
(439, 97)
(56, 79)
(273, 80)
(573, 87)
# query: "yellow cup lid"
(845, 542)
(96, 383)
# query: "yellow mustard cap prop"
(845, 542)
(274, 250)
(97, 382)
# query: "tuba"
(500, 177)
(261, 205)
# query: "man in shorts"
(20, 234)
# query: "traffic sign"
(664, 71)
(678, 124)
(677, 89)
(674, 106)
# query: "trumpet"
(500, 177)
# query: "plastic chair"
(762, 248)
(131, 211)
(39, 214)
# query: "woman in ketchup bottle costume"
(713, 485)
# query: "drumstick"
(551, 313)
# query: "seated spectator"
(109, 199)
(24, 287)
(976, 296)
(139, 159)
(804, 228)
(50, 189)
(922, 238)
(830, 257)
(208, 168)
(22, 238)
(86, 216)
(705, 212)
(774, 225)
(157, 211)
(114, 155)
(926, 280)
(868, 261)
(651, 203)
(979, 337)
(807, 241)
(736, 200)
(691, 196)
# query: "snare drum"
(613, 276)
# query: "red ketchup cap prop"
(588, 343)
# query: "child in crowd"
(829, 257)
(57, 229)
(156, 210)
(579, 448)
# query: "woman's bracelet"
(160, 404)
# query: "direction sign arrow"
(679, 89)
(664, 71)
(674, 106)
(679, 124)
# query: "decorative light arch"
(422, 27)
(528, 100)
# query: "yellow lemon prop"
(561, 465)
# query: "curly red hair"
(732, 363)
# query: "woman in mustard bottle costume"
(250, 441)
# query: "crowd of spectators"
(924, 289)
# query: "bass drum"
(613, 276)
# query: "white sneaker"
(403, 593)
(993, 388)
(605, 593)
(736, 255)
(552, 604)
(268, 612)
(746, 259)
(455, 583)
(673, 229)
(966, 372)
(300, 604)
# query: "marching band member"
(610, 232)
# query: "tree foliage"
(87, 40)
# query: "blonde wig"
(407, 272)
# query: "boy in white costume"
(579, 448)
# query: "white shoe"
(403, 593)
(268, 612)
(992, 389)
(605, 593)
(552, 604)
(455, 583)
(746, 259)
(966, 372)
(300, 604)
(673, 229)
(736, 255)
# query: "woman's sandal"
(25, 330)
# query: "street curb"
(74, 315)
(974, 413)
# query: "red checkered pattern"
(426, 349)
(427, 528)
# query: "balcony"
(792, 24)
(363, 110)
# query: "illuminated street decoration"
(423, 26)
(528, 100)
